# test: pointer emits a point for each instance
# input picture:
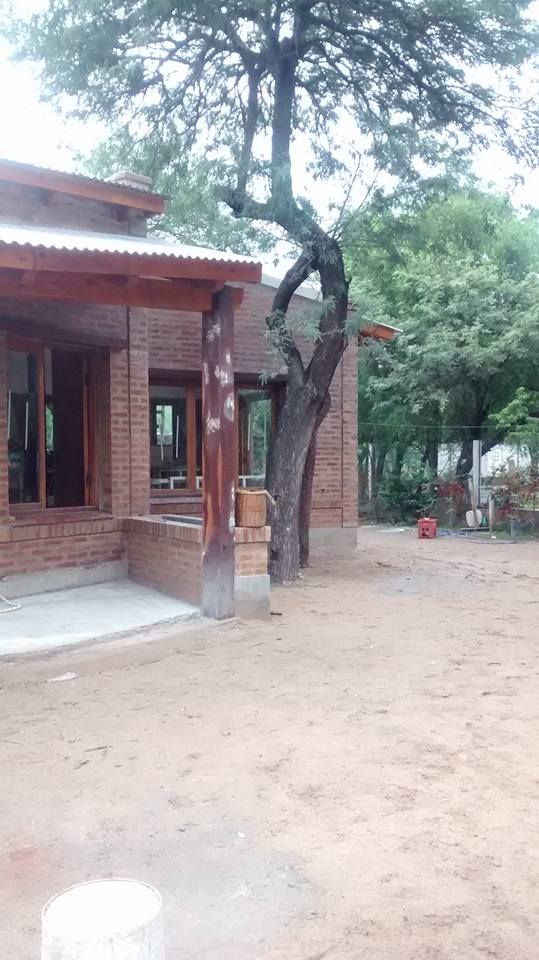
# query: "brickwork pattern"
(165, 557)
(31, 547)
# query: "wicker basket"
(251, 508)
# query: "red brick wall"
(139, 413)
(31, 547)
(165, 557)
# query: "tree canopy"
(236, 78)
(194, 212)
(459, 274)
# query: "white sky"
(33, 132)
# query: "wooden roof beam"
(156, 293)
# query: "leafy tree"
(194, 213)
(459, 274)
(254, 85)
(520, 420)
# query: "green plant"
(407, 496)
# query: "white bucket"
(104, 920)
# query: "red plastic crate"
(426, 528)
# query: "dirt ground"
(358, 777)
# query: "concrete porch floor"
(47, 621)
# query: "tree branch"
(276, 320)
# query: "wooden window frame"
(39, 507)
(191, 384)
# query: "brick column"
(139, 411)
(349, 435)
(116, 434)
(4, 483)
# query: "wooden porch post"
(218, 457)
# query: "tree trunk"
(306, 400)
(305, 504)
(307, 490)
(430, 456)
(400, 451)
(379, 464)
(465, 460)
(286, 468)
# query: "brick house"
(104, 334)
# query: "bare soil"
(357, 777)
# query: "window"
(48, 413)
(168, 437)
(176, 436)
(255, 419)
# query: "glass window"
(22, 417)
(176, 436)
(64, 428)
(198, 431)
(168, 438)
(48, 434)
(255, 416)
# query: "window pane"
(23, 438)
(168, 437)
(64, 428)
(255, 420)
(198, 428)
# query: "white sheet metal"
(55, 238)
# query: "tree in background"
(194, 213)
(268, 87)
(520, 422)
(456, 269)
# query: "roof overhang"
(81, 186)
(42, 263)
(379, 331)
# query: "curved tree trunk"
(306, 404)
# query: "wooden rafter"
(152, 292)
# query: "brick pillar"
(4, 485)
(349, 435)
(139, 411)
(116, 434)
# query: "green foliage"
(458, 273)
(190, 72)
(519, 419)
(194, 211)
(407, 495)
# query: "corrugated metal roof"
(55, 238)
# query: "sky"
(33, 132)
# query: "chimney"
(136, 181)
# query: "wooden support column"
(219, 457)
